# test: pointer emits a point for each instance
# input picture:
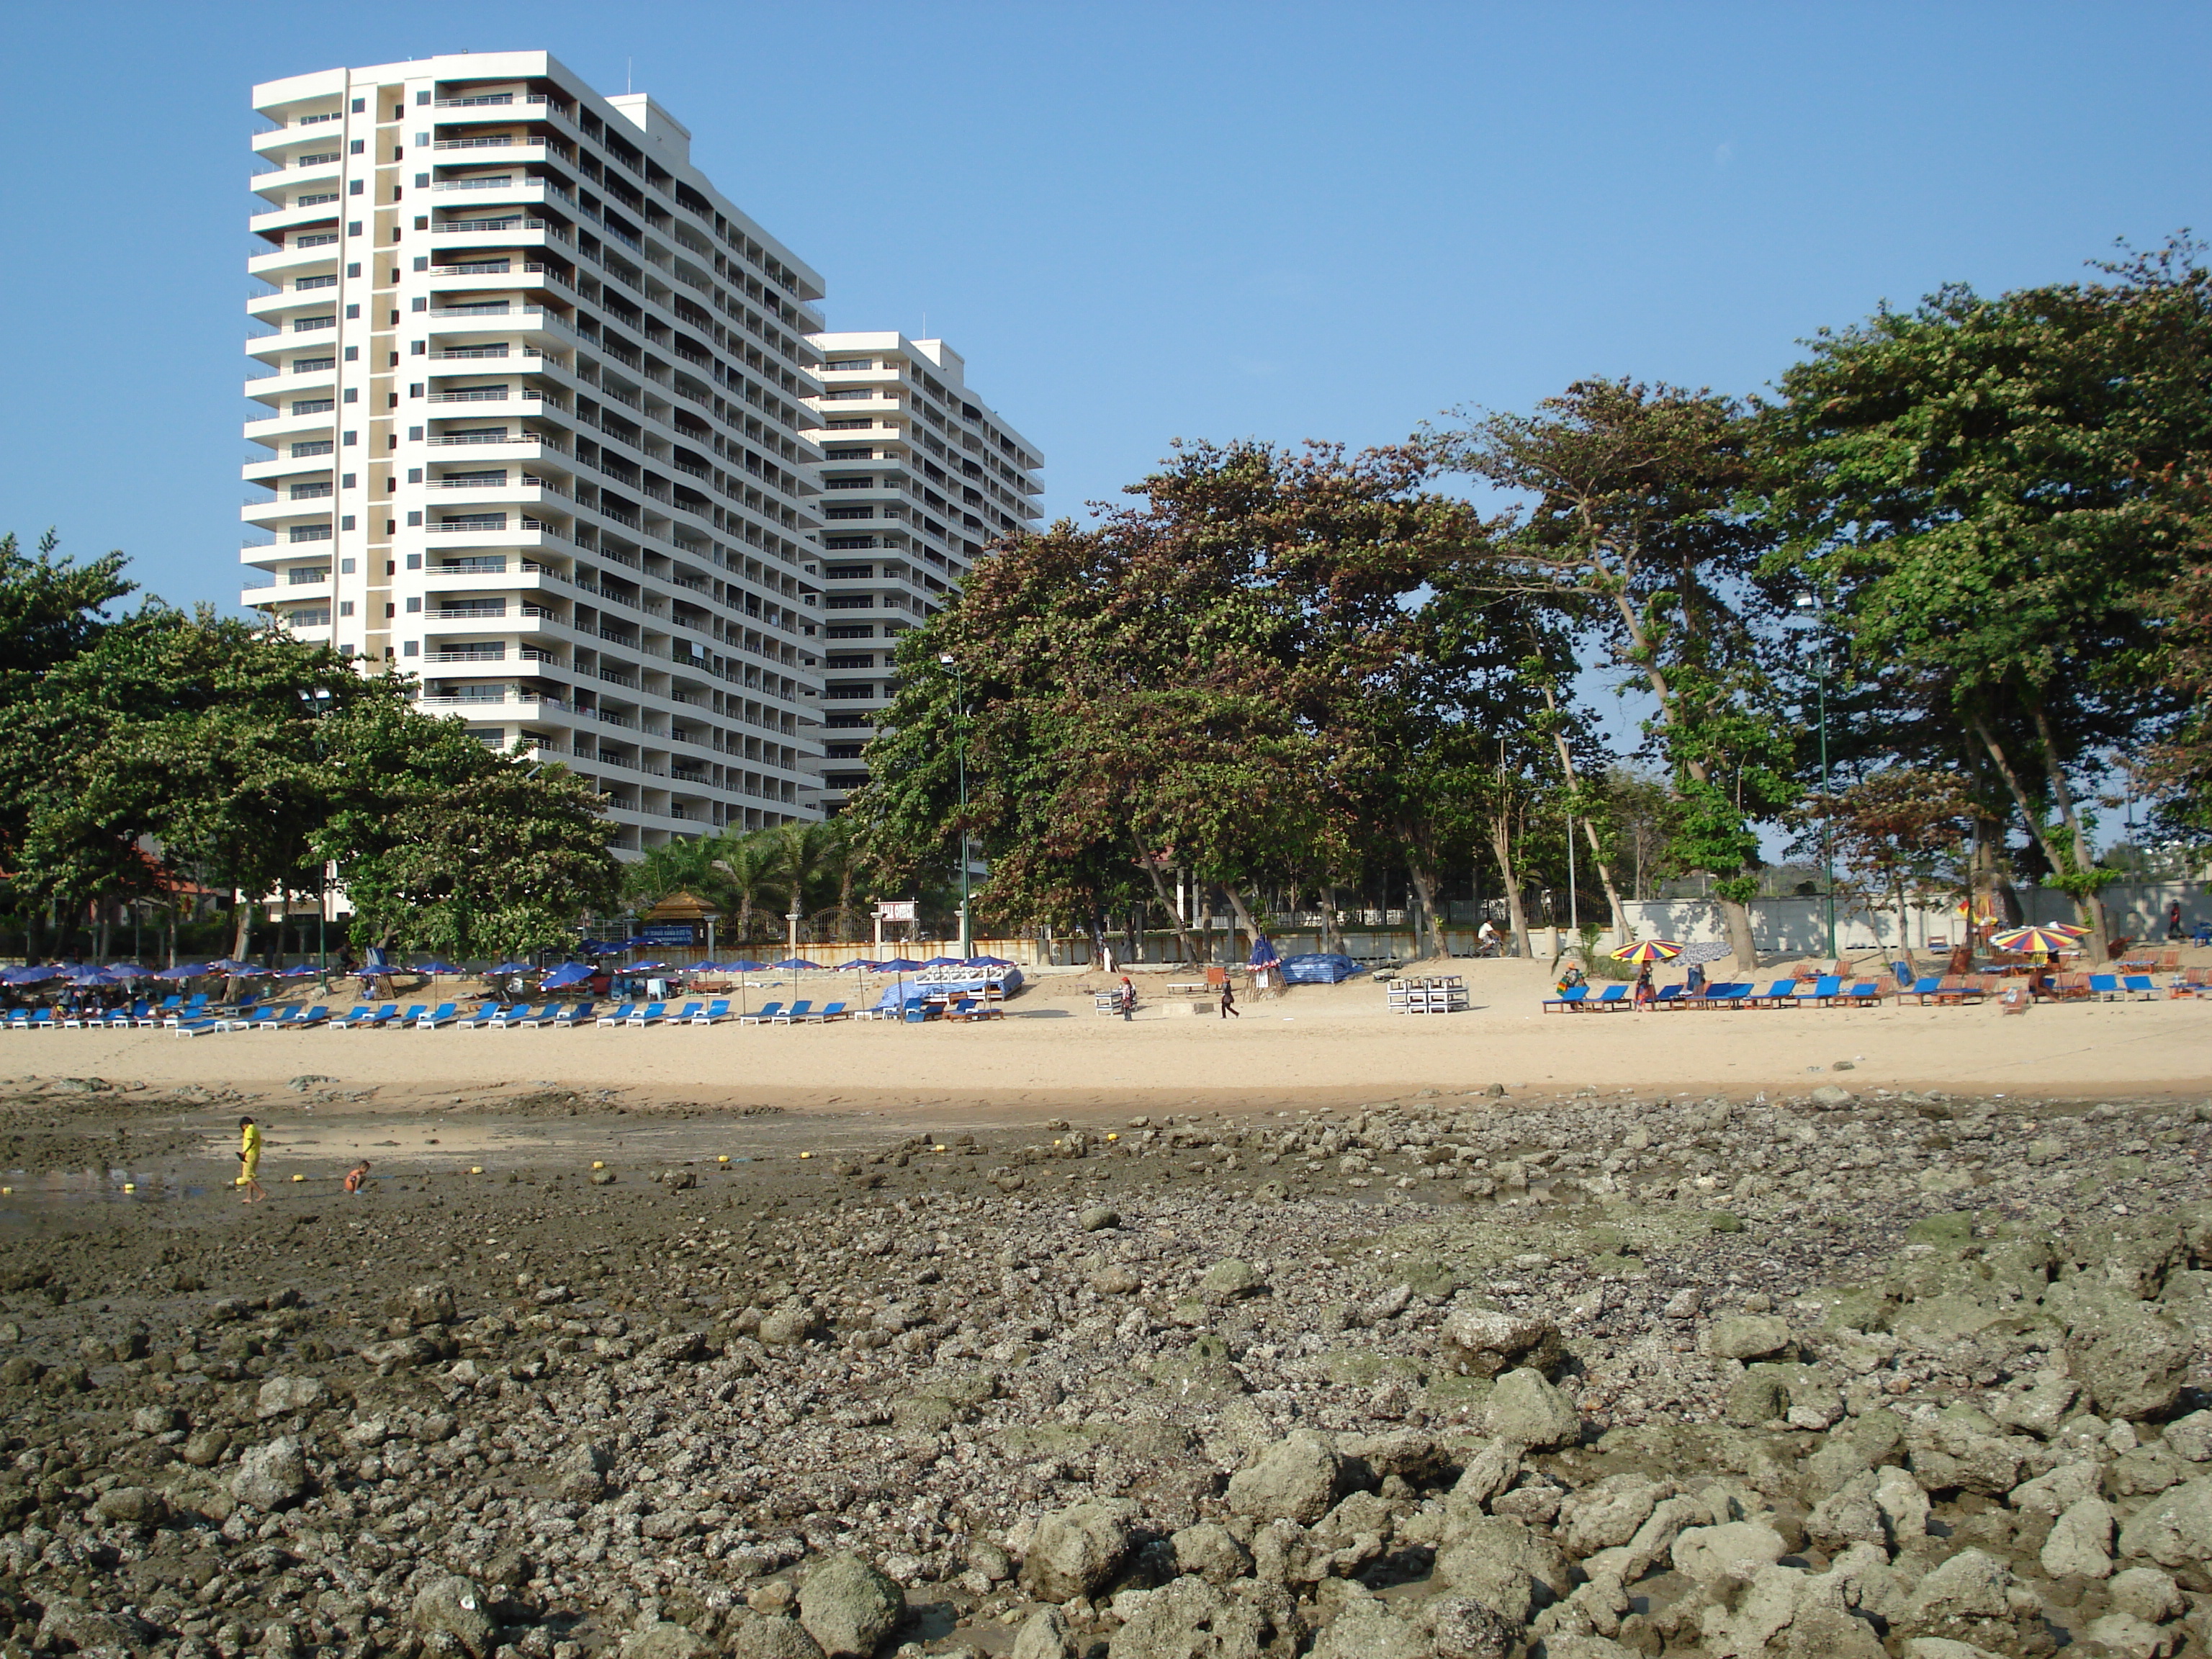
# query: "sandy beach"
(1313, 1046)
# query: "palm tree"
(743, 876)
(802, 860)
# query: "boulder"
(2040, 1408)
(280, 1396)
(786, 1325)
(1462, 1627)
(849, 1607)
(1189, 1618)
(271, 1476)
(1609, 1513)
(1734, 1549)
(1213, 1553)
(1045, 1635)
(1527, 1410)
(1367, 1629)
(132, 1506)
(1905, 1507)
(70, 1623)
(2124, 1635)
(1970, 1585)
(1746, 1336)
(2174, 1528)
(662, 1639)
(1503, 1565)
(1848, 1516)
(1478, 1342)
(1413, 1456)
(2191, 1437)
(428, 1304)
(1489, 1472)
(1230, 1280)
(1077, 1551)
(2149, 1594)
(777, 1637)
(1296, 1480)
(2130, 1358)
(453, 1606)
(2080, 1545)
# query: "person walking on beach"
(2173, 920)
(1644, 995)
(1229, 1001)
(249, 1160)
(1127, 993)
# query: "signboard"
(678, 933)
(895, 910)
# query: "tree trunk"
(2089, 903)
(1590, 828)
(1500, 826)
(2058, 858)
(1428, 940)
(1736, 915)
(1244, 919)
(1332, 937)
(1167, 905)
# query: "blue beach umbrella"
(27, 975)
(503, 968)
(988, 962)
(897, 965)
(568, 974)
(439, 967)
(798, 964)
(182, 970)
(861, 966)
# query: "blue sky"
(1137, 221)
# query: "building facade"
(538, 406)
(918, 475)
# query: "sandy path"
(1316, 1046)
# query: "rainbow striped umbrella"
(1649, 950)
(2037, 938)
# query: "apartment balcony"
(451, 286)
(286, 219)
(280, 514)
(316, 134)
(513, 445)
(499, 231)
(533, 325)
(447, 570)
(283, 264)
(288, 305)
(478, 152)
(324, 176)
(280, 428)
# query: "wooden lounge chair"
(1568, 999)
(1866, 992)
(1819, 991)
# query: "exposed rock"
(849, 1606)
(777, 1635)
(1736, 1549)
(137, 1506)
(1479, 1341)
(1213, 1553)
(2130, 1359)
(1189, 1618)
(453, 1606)
(271, 1476)
(1504, 1566)
(1077, 1551)
(1367, 1629)
(1608, 1513)
(1746, 1336)
(663, 1640)
(1230, 1280)
(1045, 1635)
(281, 1396)
(1462, 1627)
(1527, 1410)
(2080, 1541)
(1297, 1480)
(2174, 1528)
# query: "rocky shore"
(1453, 1375)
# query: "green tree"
(445, 845)
(1985, 489)
(1634, 521)
(1895, 831)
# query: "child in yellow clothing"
(249, 1159)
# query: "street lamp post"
(1811, 602)
(960, 761)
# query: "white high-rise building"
(538, 406)
(918, 475)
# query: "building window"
(346, 523)
(345, 606)
(412, 648)
(413, 605)
(345, 566)
(311, 532)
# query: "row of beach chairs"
(194, 1018)
(1831, 990)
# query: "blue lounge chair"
(715, 1011)
(519, 1015)
(768, 1012)
(485, 1017)
(619, 1016)
(194, 1008)
(2140, 986)
(276, 1020)
(34, 1020)
(1780, 992)
(1670, 996)
(1864, 993)
(415, 1012)
(1728, 994)
(1822, 991)
(314, 1016)
(651, 1014)
(1923, 987)
(1615, 996)
(685, 1015)
(575, 1016)
(169, 1005)
(1570, 998)
(360, 1014)
(835, 1010)
(194, 1027)
(123, 1018)
(444, 1014)
(1902, 973)
(920, 1009)
(795, 1014)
